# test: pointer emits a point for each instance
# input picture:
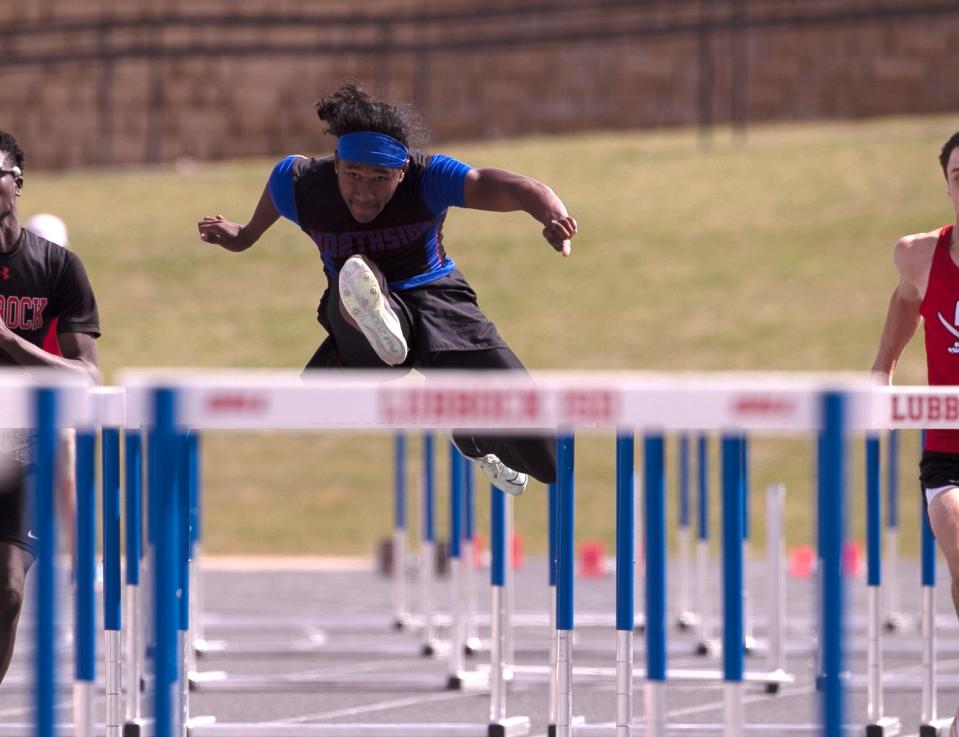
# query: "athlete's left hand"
(559, 233)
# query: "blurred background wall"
(115, 82)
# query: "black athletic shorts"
(14, 509)
(440, 317)
(937, 469)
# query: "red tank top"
(940, 310)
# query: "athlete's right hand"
(222, 232)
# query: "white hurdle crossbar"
(169, 401)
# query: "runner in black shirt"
(375, 210)
(39, 281)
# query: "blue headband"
(372, 149)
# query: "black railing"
(107, 41)
(109, 38)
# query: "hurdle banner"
(48, 401)
(727, 403)
(282, 400)
(349, 405)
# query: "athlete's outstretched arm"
(500, 190)
(913, 259)
(79, 352)
(902, 322)
(234, 237)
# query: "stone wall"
(111, 82)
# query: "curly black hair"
(947, 148)
(350, 110)
(9, 146)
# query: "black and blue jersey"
(405, 240)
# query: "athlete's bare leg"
(944, 519)
(14, 564)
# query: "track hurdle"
(500, 725)
(705, 645)
(930, 722)
(401, 611)
(48, 402)
(427, 554)
(457, 677)
(795, 408)
(878, 724)
(165, 411)
(831, 505)
(895, 619)
(469, 566)
(687, 618)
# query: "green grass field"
(769, 253)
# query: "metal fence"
(100, 45)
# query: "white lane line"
(379, 706)
(719, 705)
(13, 710)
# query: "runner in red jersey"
(928, 266)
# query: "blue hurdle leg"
(497, 546)
(133, 482)
(428, 548)
(400, 603)
(705, 644)
(164, 508)
(733, 630)
(85, 622)
(655, 521)
(110, 461)
(564, 584)
(832, 527)
(686, 619)
(457, 654)
(895, 620)
(625, 559)
(44, 522)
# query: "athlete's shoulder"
(422, 161)
(913, 253)
(296, 166)
(913, 256)
(37, 247)
(919, 241)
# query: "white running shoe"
(364, 300)
(502, 476)
(954, 727)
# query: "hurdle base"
(885, 727)
(687, 621)
(511, 727)
(196, 679)
(138, 728)
(435, 649)
(707, 648)
(935, 728)
(194, 722)
(472, 647)
(403, 621)
(639, 626)
(577, 721)
(896, 622)
(469, 681)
